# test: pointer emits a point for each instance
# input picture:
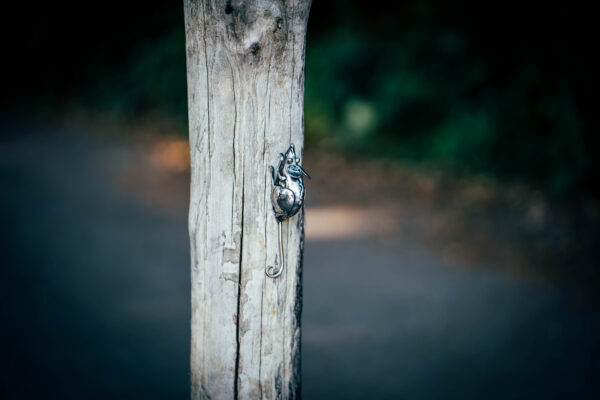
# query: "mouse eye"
(297, 160)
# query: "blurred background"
(460, 264)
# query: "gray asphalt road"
(95, 293)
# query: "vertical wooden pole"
(245, 63)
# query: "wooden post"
(245, 66)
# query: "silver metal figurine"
(287, 196)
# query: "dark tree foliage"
(505, 89)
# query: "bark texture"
(246, 94)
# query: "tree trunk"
(245, 65)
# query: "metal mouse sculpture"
(287, 196)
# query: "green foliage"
(463, 141)
(425, 97)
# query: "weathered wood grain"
(245, 63)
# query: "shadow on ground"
(406, 294)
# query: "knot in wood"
(251, 25)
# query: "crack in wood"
(239, 302)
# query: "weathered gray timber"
(245, 66)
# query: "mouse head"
(289, 165)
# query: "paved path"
(95, 295)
